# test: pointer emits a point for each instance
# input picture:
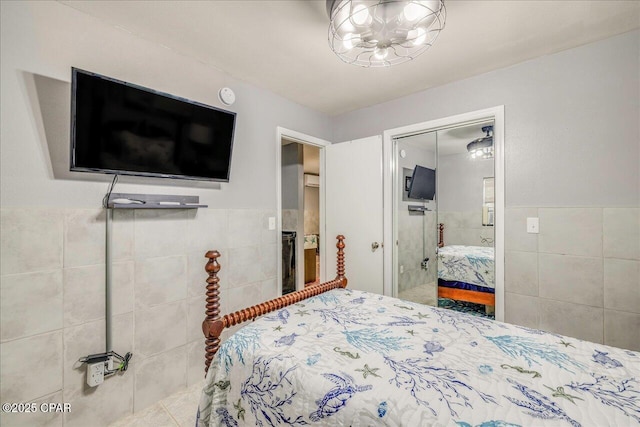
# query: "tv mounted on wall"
(423, 183)
(124, 129)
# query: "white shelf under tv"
(154, 201)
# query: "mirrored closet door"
(444, 219)
(416, 218)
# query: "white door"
(354, 208)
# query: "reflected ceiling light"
(482, 148)
(380, 33)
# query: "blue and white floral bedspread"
(357, 359)
(470, 264)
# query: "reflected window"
(488, 202)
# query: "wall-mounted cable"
(105, 200)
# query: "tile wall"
(465, 228)
(580, 276)
(52, 302)
(417, 240)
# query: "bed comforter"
(469, 264)
(357, 359)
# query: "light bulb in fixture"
(414, 11)
(381, 53)
(360, 14)
(351, 40)
(419, 36)
(345, 26)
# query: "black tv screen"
(121, 128)
(423, 183)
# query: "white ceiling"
(282, 45)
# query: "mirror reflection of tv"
(124, 129)
(423, 183)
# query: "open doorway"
(300, 165)
(311, 214)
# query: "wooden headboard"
(440, 235)
(214, 324)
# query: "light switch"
(272, 223)
(533, 225)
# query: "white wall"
(312, 198)
(571, 120)
(460, 182)
(311, 210)
(48, 38)
(292, 175)
(460, 199)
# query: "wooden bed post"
(340, 270)
(440, 235)
(214, 324)
(212, 340)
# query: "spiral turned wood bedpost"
(340, 270)
(440, 235)
(214, 324)
(212, 320)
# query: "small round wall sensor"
(226, 96)
(403, 154)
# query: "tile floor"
(177, 410)
(423, 294)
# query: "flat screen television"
(124, 129)
(423, 183)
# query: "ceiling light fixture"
(380, 33)
(482, 148)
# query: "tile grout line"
(604, 312)
(64, 241)
(575, 303)
(133, 316)
(169, 413)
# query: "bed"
(466, 273)
(327, 355)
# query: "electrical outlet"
(402, 269)
(272, 223)
(533, 225)
(95, 374)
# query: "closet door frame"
(389, 173)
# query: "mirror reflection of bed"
(466, 278)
